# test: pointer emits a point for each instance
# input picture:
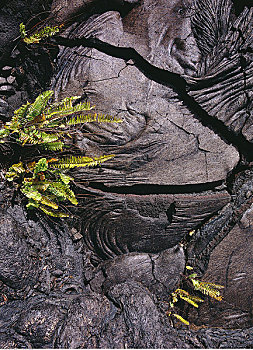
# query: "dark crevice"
(170, 212)
(156, 189)
(166, 78)
(240, 4)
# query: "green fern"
(105, 118)
(36, 37)
(77, 162)
(99, 118)
(82, 119)
(180, 318)
(53, 146)
(45, 184)
(62, 190)
(39, 105)
(42, 187)
(207, 288)
(44, 124)
(14, 171)
(53, 213)
(191, 299)
(36, 123)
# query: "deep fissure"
(148, 189)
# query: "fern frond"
(53, 146)
(31, 193)
(207, 288)
(46, 201)
(213, 285)
(20, 113)
(41, 165)
(24, 138)
(48, 138)
(41, 185)
(105, 118)
(4, 133)
(99, 118)
(180, 318)
(14, 171)
(59, 106)
(23, 33)
(35, 38)
(77, 162)
(65, 108)
(195, 298)
(32, 204)
(18, 119)
(191, 299)
(63, 191)
(39, 104)
(55, 214)
(65, 178)
(36, 137)
(82, 119)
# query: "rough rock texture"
(102, 278)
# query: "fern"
(65, 178)
(208, 288)
(3, 134)
(36, 37)
(53, 146)
(44, 125)
(44, 185)
(82, 119)
(62, 191)
(63, 109)
(36, 123)
(77, 162)
(14, 171)
(180, 318)
(105, 118)
(45, 200)
(99, 118)
(191, 299)
(39, 105)
(53, 213)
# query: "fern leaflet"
(76, 162)
(180, 318)
(36, 37)
(208, 288)
(56, 214)
(53, 146)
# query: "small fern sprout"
(207, 288)
(191, 299)
(36, 37)
(180, 318)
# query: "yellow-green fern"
(207, 288)
(78, 162)
(36, 37)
